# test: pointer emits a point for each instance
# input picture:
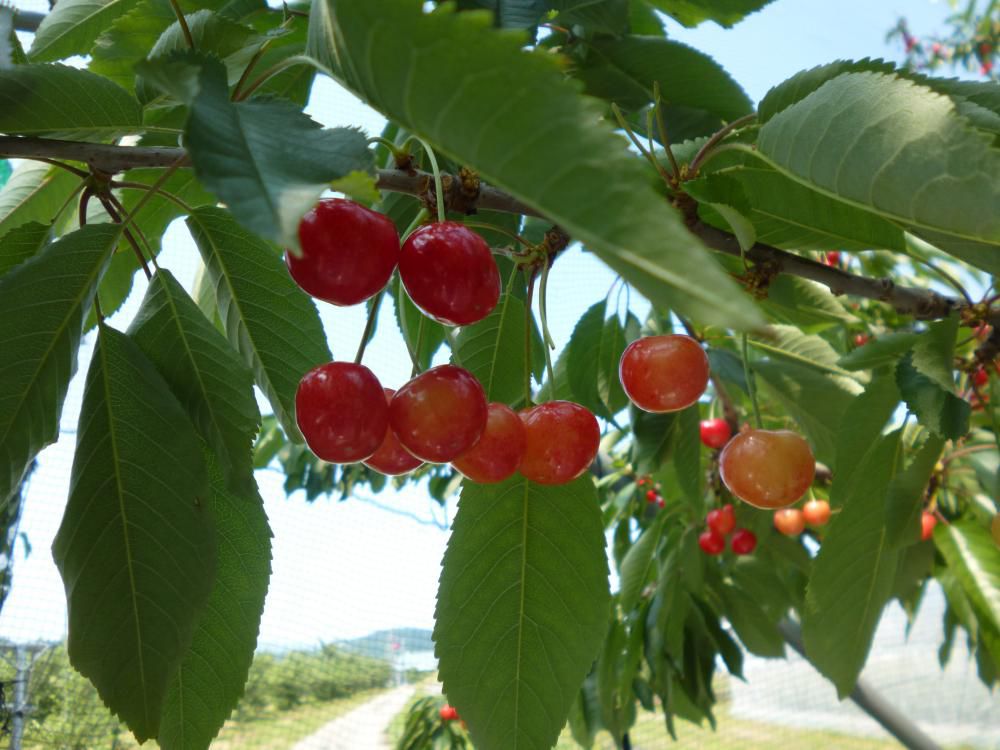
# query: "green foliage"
(71, 28)
(592, 356)
(21, 243)
(35, 192)
(723, 12)
(424, 728)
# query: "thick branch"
(921, 303)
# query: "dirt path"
(363, 728)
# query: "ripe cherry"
(449, 272)
(715, 433)
(816, 512)
(448, 713)
(861, 339)
(348, 252)
(789, 521)
(927, 523)
(498, 452)
(341, 411)
(651, 496)
(664, 373)
(744, 542)
(711, 543)
(980, 377)
(832, 258)
(392, 458)
(440, 414)
(722, 520)
(563, 439)
(768, 469)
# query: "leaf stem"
(176, 200)
(369, 325)
(703, 152)
(662, 130)
(185, 29)
(420, 340)
(751, 383)
(109, 204)
(288, 62)
(527, 341)
(490, 228)
(638, 144)
(153, 189)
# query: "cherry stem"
(705, 150)
(420, 340)
(662, 130)
(543, 307)
(288, 62)
(751, 382)
(490, 228)
(397, 152)
(369, 325)
(527, 341)
(153, 189)
(110, 206)
(176, 200)
(183, 23)
(436, 170)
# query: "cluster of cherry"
(721, 523)
(349, 253)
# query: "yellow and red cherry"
(711, 542)
(816, 512)
(449, 272)
(715, 433)
(927, 523)
(664, 373)
(499, 451)
(722, 520)
(789, 521)
(743, 542)
(440, 414)
(341, 411)
(348, 252)
(767, 468)
(391, 458)
(562, 439)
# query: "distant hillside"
(379, 643)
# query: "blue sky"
(345, 569)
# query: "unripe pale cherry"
(440, 414)
(562, 439)
(816, 512)
(789, 521)
(767, 468)
(664, 373)
(348, 252)
(391, 458)
(341, 411)
(498, 453)
(449, 272)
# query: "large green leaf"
(803, 83)
(859, 430)
(790, 343)
(883, 350)
(71, 28)
(213, 674)
(571, 167)
(35, 192)
(905, 496)
(270, 321)
(805, 304)
(937, 408)
(638, 563)
(418, 331)
(723, 12)
(869, 138)
(522, 608)
(42, 304)
(852, 575)
(205, 373)
(61, 101)
(136, 547)
(22, 243)
(129, 39)
(592, 356)
(752, 624)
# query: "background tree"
(832, 252)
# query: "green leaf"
(868, 138)
(904, 501)
(205, 373)
(35, 192)
(624, 70)
(859, 431)
(934, 352)
(213, 674)
(608, 16)
(71, 28)
(724, 12)
(639, 563)
(687, 456)
(790, 343)
(64, 102)
(886, 349)
(128, 39)
(652, 439)
(42, 304)
(511, 14)
(755, 629)
(22, 243)
(270, 321)
(523, 602)
(805, 304)
(607, 201)
(493, 350)
(852, 575)
(803, 83)
(417, 329)
(937, 409)
(592, 356)
(136, 547)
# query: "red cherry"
(392, 458)
(715, 433)
(722, 520)
(711, 543)
(348, 252)
(832, 258)
(651, 496)
(927, 523)
(789, 521)
(341, 411)
(743, 542)
(861, 339)
(440, 414)
(563, 439)
(499, 451)
(664, 373)
(660, 502)
(449, 272)
(767, 469)
(980, 377)
(642, 481)
(448, 713)
(816, 512)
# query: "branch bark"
(924, 304)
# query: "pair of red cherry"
(349, 253)
(440, 416)
(721, 523)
